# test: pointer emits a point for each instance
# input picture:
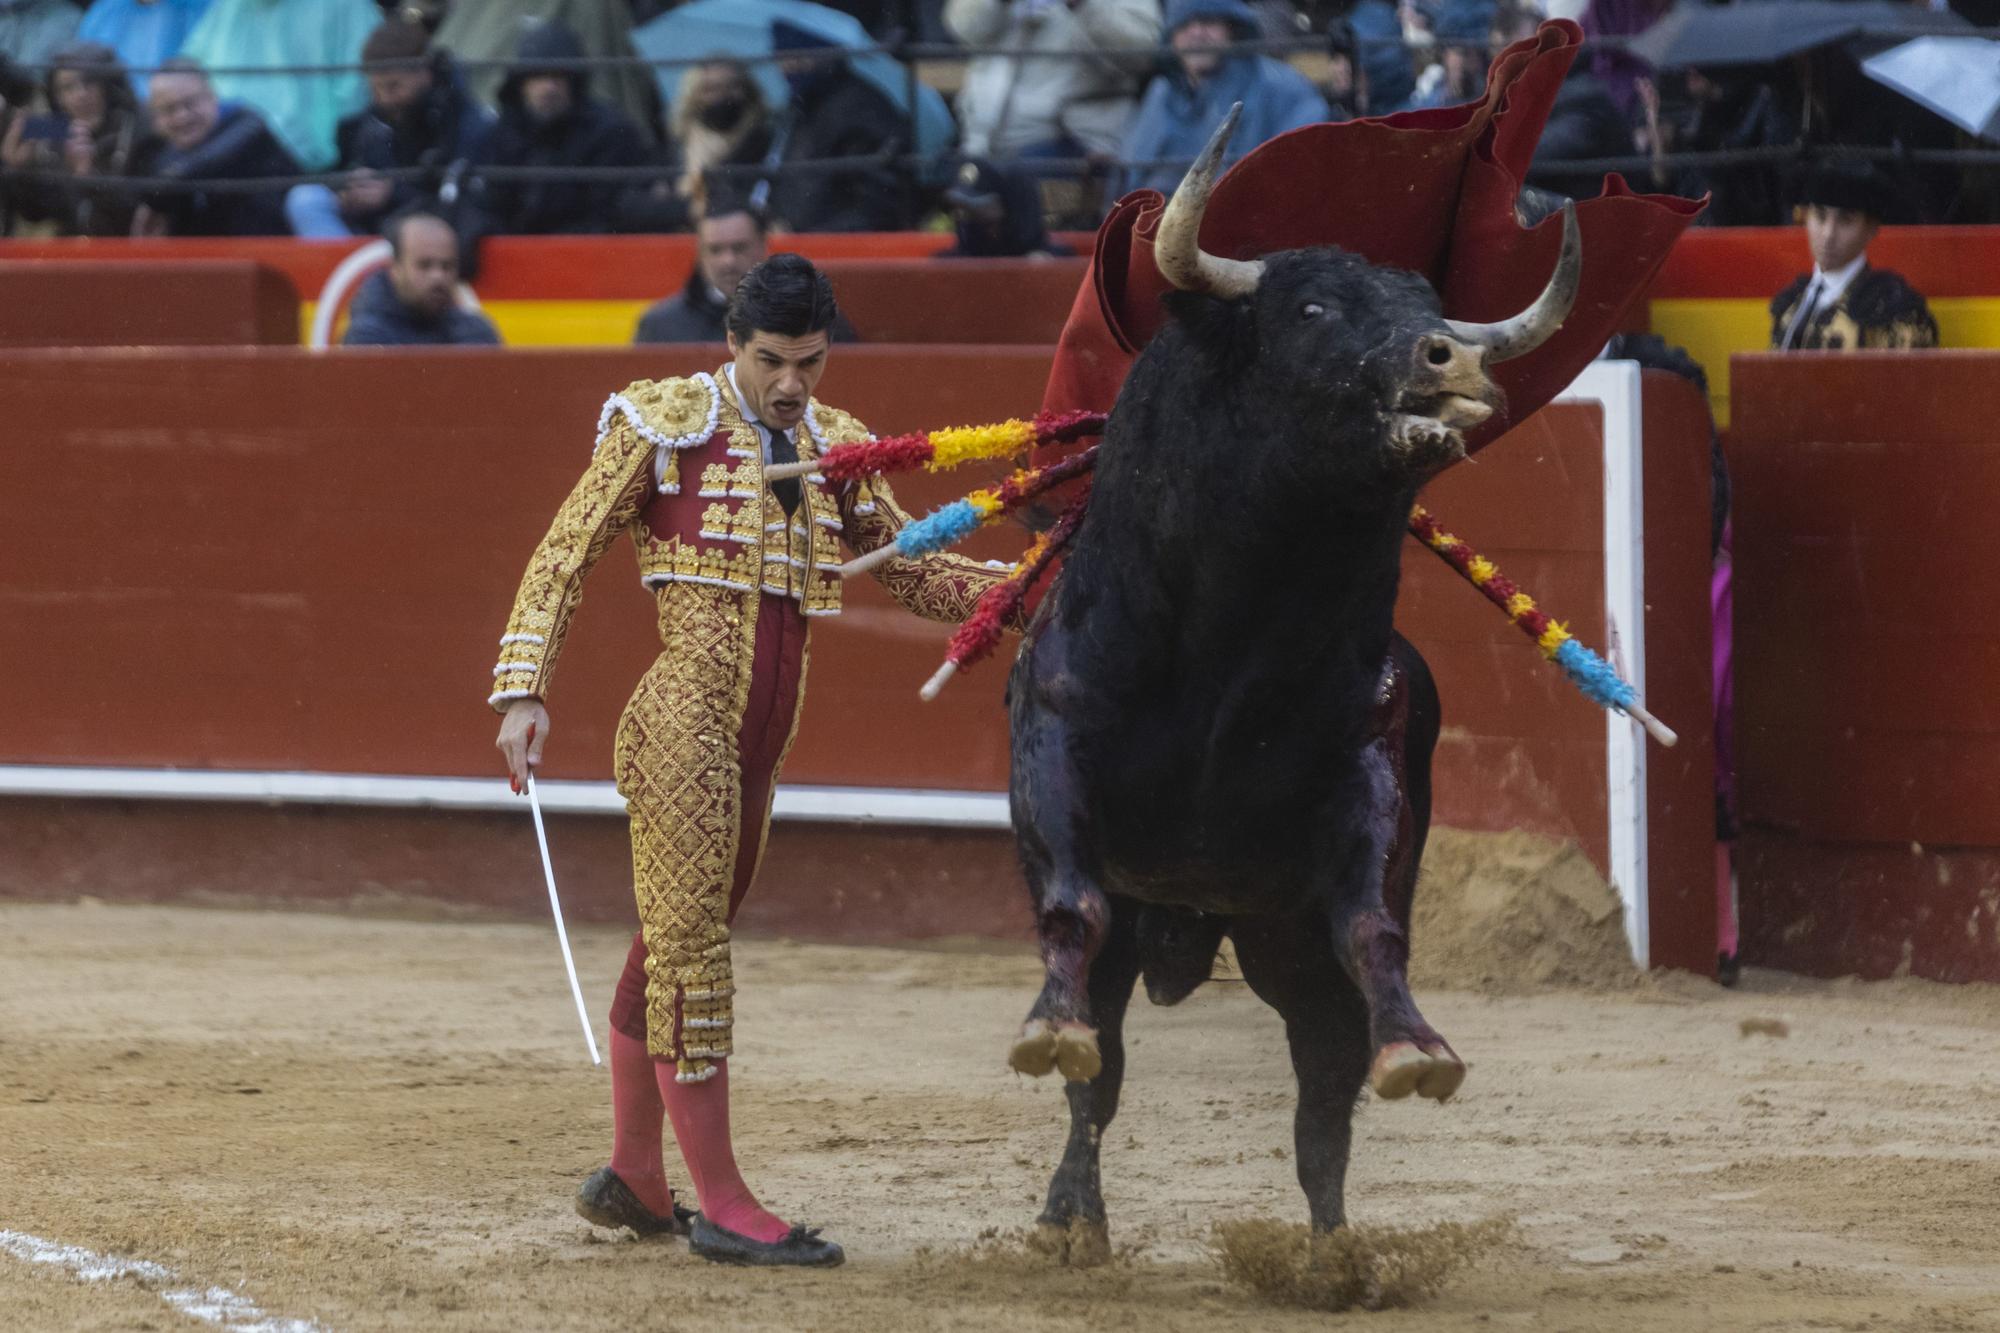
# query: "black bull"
(1216, 730)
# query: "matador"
(740, 569)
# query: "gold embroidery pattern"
(607, 498)
(678, 769)
(940, 586)
(672, 562)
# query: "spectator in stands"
(1385, 63)
(86, 141)
(143, 33)
(1618, 70)
(1583, 123)
(490, 30)
(419, 117)
(1462, 29)
(1016, 105)
(835, 113)
(426, 14)
(719, 120)
(1843, 304)
(997, 213)
(302, 109)
(200, 138)
(414, 302)
(33, 30)
(1346, 86)
(1735, 110)
(549, 119)
(1184, 105)
(729, 242)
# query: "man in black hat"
(997, 213)
(1843, 304)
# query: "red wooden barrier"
(278, 560)
(1740, 262)
(1867, 661)
(176, 303)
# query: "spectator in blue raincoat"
(1184, 105)
(144, 33)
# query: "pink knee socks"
(700, 1112)
(636, 1121)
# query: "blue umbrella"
(742, 29)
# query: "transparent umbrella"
(742, 28)
(1957, 77)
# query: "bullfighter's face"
(1360, 346)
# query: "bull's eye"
(1311, 310)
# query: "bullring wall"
(1868, 662)
(266, 559)
(1710, 296)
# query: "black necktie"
(787, 490)
(1802, 321)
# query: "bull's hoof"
(1403, 1067)
(1034, 1051)
(1079, 1243)
(1077, 1054)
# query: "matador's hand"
(523, 733)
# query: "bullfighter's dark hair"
(785, 295)
(394, 228)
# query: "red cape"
(1428, 191)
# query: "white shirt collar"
(1832, 284)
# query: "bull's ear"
(1219, 325)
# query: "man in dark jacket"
(549, 119)
(729, 242)
(201, 139)
(834, 112)
(419, 116)
(414, 302)
(1583, 123)
(997, 213)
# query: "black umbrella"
(1761, 31)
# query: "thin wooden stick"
(1655, 728)
(868, 560)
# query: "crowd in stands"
(481, 113)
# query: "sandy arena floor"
(377, 1124)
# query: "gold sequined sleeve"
(606, 499)
(938, 586)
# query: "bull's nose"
(1442, 358)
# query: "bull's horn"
(1177, 246)
(1509, 338)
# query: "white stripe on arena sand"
(211, 1305)
(857, 805)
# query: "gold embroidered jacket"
(1877, 310)
(678, 468)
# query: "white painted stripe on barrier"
(218, 1306)
(885, 805)
(1615, 386)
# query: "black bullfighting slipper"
(800, 1247)
(604, 1200)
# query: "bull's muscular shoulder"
(1881, 297)
(836, 426)
(678, 411)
